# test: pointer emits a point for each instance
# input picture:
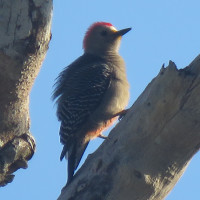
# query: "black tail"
(75, 153)
(71, 163)
(63, 153)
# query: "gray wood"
(24, 38)
(150, 148)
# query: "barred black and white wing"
(79, 91)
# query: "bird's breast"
(118, 93)
(116, 97)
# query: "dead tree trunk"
(24, 38)
(148, 151)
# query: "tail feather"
(75, 153)
(63, 153)
(71, 163)
(79, 153)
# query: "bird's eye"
(104, 33)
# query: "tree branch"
(24, 38)
(150, 148)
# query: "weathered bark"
(148, 151)
(24, 38)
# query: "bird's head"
(103, 38)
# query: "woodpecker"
(91, 92)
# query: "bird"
(91, 92)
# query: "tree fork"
(150, 148)
(25, 35)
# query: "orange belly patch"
(95, 133)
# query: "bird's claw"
(122, 114)
(102, 136)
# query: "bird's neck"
(104, 54)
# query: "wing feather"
(79, 91)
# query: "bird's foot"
(102, 136)
(121, 114)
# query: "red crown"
(91, 28)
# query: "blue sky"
(162, 31)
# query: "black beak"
(122, 32)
